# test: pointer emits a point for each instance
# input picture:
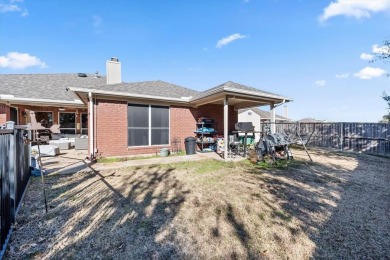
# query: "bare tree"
(383, 54)
(386, 98)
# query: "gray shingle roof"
(53, 87)
(264, 114)
(232, 86)
(310, 120)
(150, 88)
(46, 86)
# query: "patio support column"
(225, 127)
(272, 111)
(90, 128)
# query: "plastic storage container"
(164, 152)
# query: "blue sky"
(316, 52)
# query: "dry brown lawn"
(336, 207)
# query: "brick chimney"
(113, 68)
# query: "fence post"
(341, 136)
(12, 175)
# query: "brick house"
(125, 118)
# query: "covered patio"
(240, 97)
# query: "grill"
(275, 146)
(244, 126)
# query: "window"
(67, 123)
(160, 125)
(147, 125)
(84, 123)
(249, 113)
(45, 118)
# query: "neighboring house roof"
(50, 87)
(310, 120)
(264, 114)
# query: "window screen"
(160, 125)
(138, 125)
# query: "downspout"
(273, 115)
(91, 127)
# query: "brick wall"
(111, 126)
(216, 112)
(4, 114)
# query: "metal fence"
(357, 137)
(14, 174)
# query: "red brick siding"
(182, 123)
(111, 126)
(4, 114)
(216, 112)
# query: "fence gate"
(14, 174)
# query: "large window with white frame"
(147, 125)
(67, 122)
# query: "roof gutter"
(11, 98)
(234, 90)
(123, 94)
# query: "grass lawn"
(336, 207)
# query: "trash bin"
(190, 143)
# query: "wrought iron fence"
(14, 174)
(357, 137)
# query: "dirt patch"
(336, 207)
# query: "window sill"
(147, 146)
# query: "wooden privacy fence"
(357, 137)
(14, 174)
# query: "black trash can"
(190, 144)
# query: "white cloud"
(354, 8)
(369, 73)
(6, 8)
(366, 56)
(230, 39)
(342, 76)
(16, 60)
(380, 49)
(320, 83)
(13, 6)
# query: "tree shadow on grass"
(117, 215)
(345, 212)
